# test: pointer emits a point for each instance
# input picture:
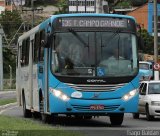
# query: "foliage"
(8, 59)
(138, 2)
(10, 22)
(40, 2)
(126, 3)
(62, 7)
(123, 4)
(148, 41)
(27, 127)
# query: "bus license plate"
(97, 107)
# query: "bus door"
(31, 71)
(43, 65)
(18, 74)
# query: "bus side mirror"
(47, 42)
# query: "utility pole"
(32, 9)
(32, 5)
(156, 73)
(99, 6)
(1, 59)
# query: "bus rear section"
(89, 67)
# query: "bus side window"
(23, 53)
(41, 48)
(17, 57)
(27, 51)
(36, 46)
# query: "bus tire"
(116, 119)
(26, 113)
(36, 115)
(78, 117)
(88, 117)
(46, 118)
(136, 115)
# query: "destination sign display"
(92, 22)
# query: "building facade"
(87, 6)
(141, 15)
(6, 5)
(144, 16)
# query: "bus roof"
(42, 25)
(93, 14)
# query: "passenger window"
(25, 52)
(36, 47)
(41, 48)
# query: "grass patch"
(7, 101)
(27, 127)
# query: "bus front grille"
(87, 108)
(81, 87)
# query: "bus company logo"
(95, 95)
(96, 81)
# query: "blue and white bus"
(65, 66)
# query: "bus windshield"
(101, 54)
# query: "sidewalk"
(3, 107)
(7, 95)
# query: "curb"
(6, 92)
(7, 106)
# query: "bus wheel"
(88, 117)
(36, 115)
(26, 113)
(78, 116)
(46, 118)
(116, 118)
(136, 115)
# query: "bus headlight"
(59, 94)
(129, 95)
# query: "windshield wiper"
(78, 37)
(112, 37)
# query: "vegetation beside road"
(7, 101)
(26, 127)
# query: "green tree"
(148, 41)
(9, 59)
(62, 6)
(10, 22)
(138, 2)
(27, 2)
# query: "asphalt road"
(7, 94)
(100, 126)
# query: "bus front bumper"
(93, 106)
